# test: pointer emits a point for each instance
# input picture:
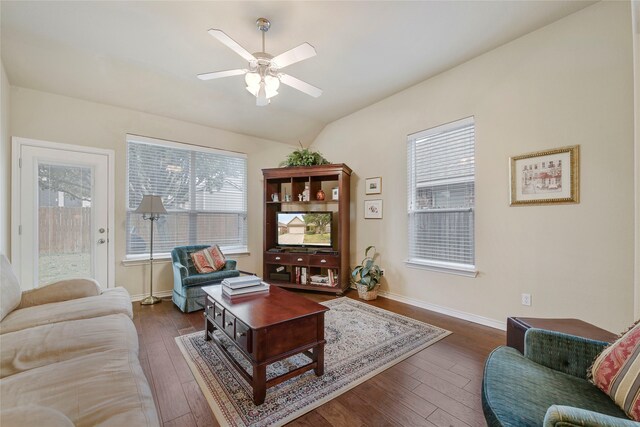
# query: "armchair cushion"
(562, 352)
(10, 292)
(616, 371)
(208, 278)
(567, 416)
(62, 290)
(208, 260)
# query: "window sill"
(133, 260)
(443, 267)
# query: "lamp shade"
(151, 205)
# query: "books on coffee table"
(241, 282)
(245, 290)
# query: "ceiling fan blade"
(219, 74)
(232, 44)
(300, 85)
(297, 54)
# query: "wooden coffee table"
(266, 328)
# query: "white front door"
(63, 215)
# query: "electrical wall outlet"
(382, 271)
(526, 299)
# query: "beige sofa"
(69, 356)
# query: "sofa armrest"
(230, 264)
(62, 290)
(567, 416)
(562, 352)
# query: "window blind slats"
(204, 192)
(441, 194)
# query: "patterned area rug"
(362, 341)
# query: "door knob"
(101, 241)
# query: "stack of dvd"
(244, 285)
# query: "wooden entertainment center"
(282, 190)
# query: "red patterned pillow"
(616, 371)
(208, 260)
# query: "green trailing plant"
(304, 157)
(367, 273)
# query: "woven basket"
(366, 295)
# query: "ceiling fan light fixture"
(252, 79)
(261, 98)
(263, 77)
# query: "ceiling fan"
(263, 77)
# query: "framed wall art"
(373, 185)
(373, 209)
(546, 177)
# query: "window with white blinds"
(203, 190)
(441, 193)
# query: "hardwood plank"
(452, 406)
(444, 419)
(339, 415)
(184, 421)
(452, 377)
(199, 406)
(406, 381)
(392, 408)
(364, 410)
(179, 364)
(408, 398)
(172, 402)
(463, 396)
(310, 419)
(474, 386)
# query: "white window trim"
(165, 257)
(466, 270)
(443, 267)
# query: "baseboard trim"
(161, 294)
(492, 323)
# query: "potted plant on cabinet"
(367, 276)
(304, 157)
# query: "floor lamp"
(151, 208)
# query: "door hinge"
(19, 162)
(20, 230)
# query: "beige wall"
(568, 83)
(55, 118)
(5, 164)
(635, 10)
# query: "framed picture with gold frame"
(546, 177)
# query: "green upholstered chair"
(187, 282)
(548, 385)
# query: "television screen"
(304, 228)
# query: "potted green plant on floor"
(367, 276)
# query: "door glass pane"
(64, 222)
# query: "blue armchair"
(187, 282)
(548, 385)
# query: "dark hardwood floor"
(439, 386)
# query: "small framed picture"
(334, 193)
(546, 177)
(373, 185)
(373, 209)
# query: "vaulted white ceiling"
(145, 55)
